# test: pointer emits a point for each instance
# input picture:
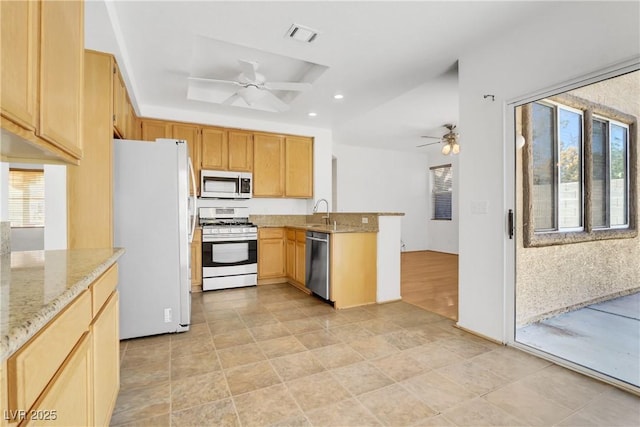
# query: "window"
(26, 198)
(557, 167)
(441, 190)
(578, 185)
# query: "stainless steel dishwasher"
(317, 263)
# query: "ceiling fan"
(254, 87)
(450, 139)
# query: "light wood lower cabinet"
(296, 257)
(106, 361)
(271, 253)
(196, 261)
(68, 374)
(353, 269)
(68, 399)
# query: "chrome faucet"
(315, 209)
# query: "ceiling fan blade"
(430, 143)
(249, 69)
(207, 80)
(230, 100)
(275, 102)
(433, 137)
(296, 86)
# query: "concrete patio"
(604, 337)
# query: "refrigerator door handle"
(194, 203)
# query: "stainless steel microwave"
(225, 184)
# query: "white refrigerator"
(154, 218)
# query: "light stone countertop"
(325, 228)
(37, 285)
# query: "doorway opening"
(577, 287)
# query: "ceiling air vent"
(302, 33)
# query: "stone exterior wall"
(559, 278)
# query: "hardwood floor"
(430, 280)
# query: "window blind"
(26, 198)
(441, 192)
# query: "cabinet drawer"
(291, 234)
(301, 236)
(271, 233)
(102, 288)
(67, 399)
(31, 368)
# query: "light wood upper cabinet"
(42, 60)
(19, 56)
(120, 107)
(191, 134)
(298, 167)
(268, 165)
(89, 212)
(240, 151)
(154, 129)
(61, 74)
(214, 149)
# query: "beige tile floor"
(274, 356)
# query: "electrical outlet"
(365, 220)
(167, 315)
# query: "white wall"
(55, 207)
(578, 39)
(374, 180)
(442, 236)
(4, 191)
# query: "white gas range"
(229, 248)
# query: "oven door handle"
(194, 199)
(228, 239)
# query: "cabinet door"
(300, 256)
(268, 165)
(19, 58)
(299, 167)
(240, 151)
(61, 74)
(120, 110)
(213, 151)
(196, 259)
(106, 361)
(291, 255)
(191, 134)
(69, 394)
(89, 212)
(153, 129)
(271, 253)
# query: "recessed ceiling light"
(313, 114)
(338, 96)
(302, 33)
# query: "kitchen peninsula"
(59, 335)
(365, 253)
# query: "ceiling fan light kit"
(450, 140)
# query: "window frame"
(590, 111)
(432, 170)
(23, 170)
